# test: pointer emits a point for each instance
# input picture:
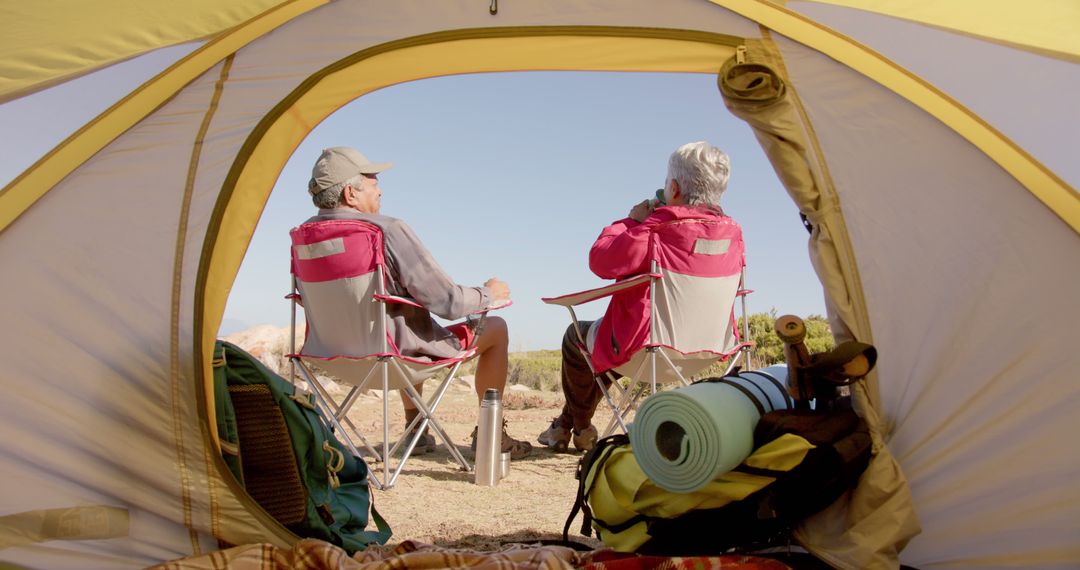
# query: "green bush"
(769, 350)
(538, 369)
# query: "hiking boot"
(426, 443)
(586, 438)
(516, 447)
(555, 436)
(558, 437)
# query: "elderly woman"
(697, 176)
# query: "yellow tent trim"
(1049, 30)
(32, 184)
(39, 49)
(1051, 190)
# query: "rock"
(268, 343)
(464, 383)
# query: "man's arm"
(623, 247)
(424, 279)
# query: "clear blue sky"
(511, 175)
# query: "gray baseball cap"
(338, 164)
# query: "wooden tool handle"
(792, 332)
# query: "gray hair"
(331, 197)
(702, 172)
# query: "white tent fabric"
(1019, 92)
(949, 148)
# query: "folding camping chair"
(691, 317)
(339, 278)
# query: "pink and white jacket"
(696, 241)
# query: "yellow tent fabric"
(41, 51)
(1049, 26)
(45, 43)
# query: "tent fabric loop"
(818, 217)
(754, 84)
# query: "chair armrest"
(501, 305)
(394, 299)
(580, 298)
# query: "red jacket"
(627, 248)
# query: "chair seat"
(359, 370)
(684, 365)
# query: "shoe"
(586, 438)
(558, 437)
(426, 443)
(555, 436)
(516, 447)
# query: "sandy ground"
(434, 501)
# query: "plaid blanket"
(311, 554)
(611, 560)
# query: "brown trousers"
(580, 391)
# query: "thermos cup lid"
(491, 394)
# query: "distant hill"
(537, 369)
(268, 343)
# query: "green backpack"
(280, 447)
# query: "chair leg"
(626, 397)
(425, 418)
(426, 414)
(386, 477)
(337, 411)
(384, 369)
(672, 367)
(734, 361)
(615, 419)
(324, 401)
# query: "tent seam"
(174, 328)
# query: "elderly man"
(344, 185)
(697, 176)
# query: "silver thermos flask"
(489, 439)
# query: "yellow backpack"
(802, 461)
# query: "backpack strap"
(780, 386)
(382, 532)
(598, 455)
(746, 391)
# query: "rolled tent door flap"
(869, 527)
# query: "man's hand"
(641, 211)
(499, 289)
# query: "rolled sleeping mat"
(687, 437)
